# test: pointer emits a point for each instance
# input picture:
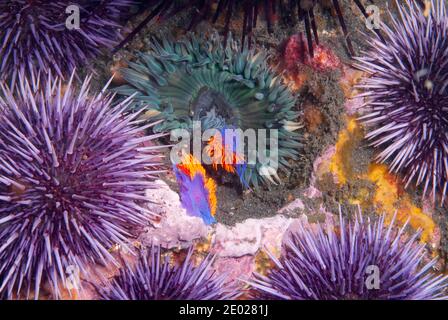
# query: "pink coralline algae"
(250, 236)
(155, 277)
(295, 56)
(40, 36)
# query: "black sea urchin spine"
(199, 79)
(289, 10)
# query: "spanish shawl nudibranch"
(197, 78)
(197, 191)
(225, 155)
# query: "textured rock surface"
(248, 237)
(236, 268)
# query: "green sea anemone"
(222, 85)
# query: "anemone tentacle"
(289, 11)
(197, 78)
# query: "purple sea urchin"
(34, 34)
(155, 278)
(359, 260)
(407, 95)
(73, 174)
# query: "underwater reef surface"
(210, 219)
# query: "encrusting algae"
(389, 198)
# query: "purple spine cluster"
(35, 35)
(406, 93)
(340, 264)
(73, 175)
(155, 277)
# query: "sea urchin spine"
(334, 264)
(406, 93)
(73, 175)
(155, 278)
(34, 34)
